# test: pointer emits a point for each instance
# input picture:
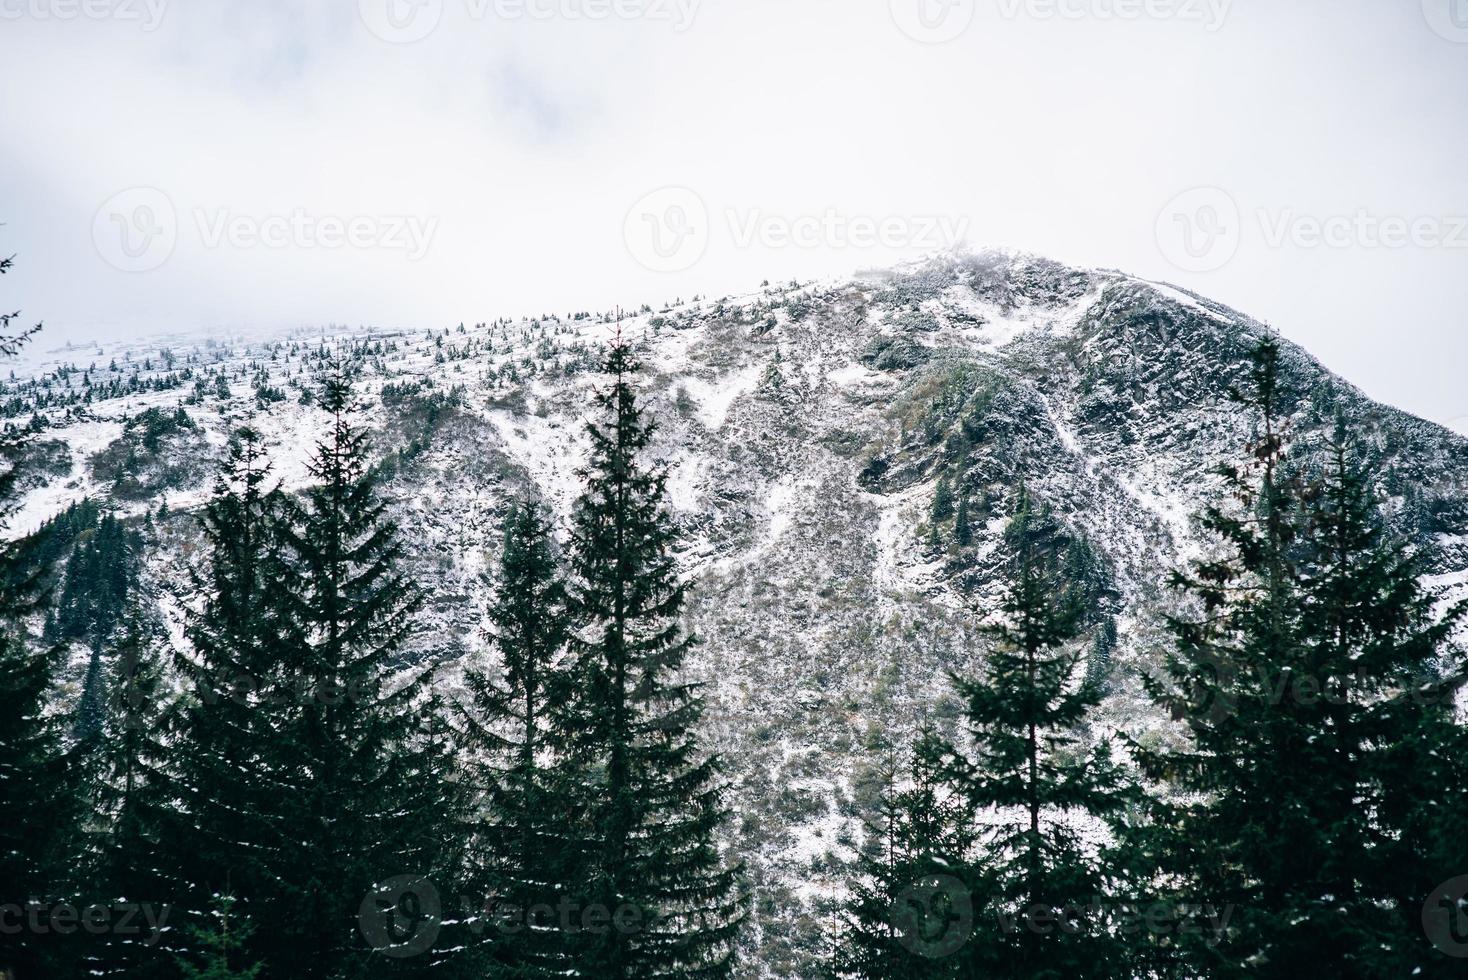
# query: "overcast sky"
(187, 164)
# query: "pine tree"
(225, 829)
(1022, 717)
(39, 789)
(943, 499)
(362, 752)
(1302, 684)
(522, 844)
(126, 763)
(659, 897)
(911, 911)
(963, 532)
(222, 943)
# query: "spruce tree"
(126, 761)
(522, 847)
(222, 944)
(228, 786)
(943, 499)
(911, 911)
(658, 898)
(1310, 671)
(361, 750)
(963, 532)
(39, 778)
(1025, 764)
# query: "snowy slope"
(804, 429)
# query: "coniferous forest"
(282, 791)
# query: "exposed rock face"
(804, 430)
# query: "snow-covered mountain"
(805, 428)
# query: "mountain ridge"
(805, 430)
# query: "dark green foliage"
(38, 778)
(360, 754)
(1098, 662)
(222, 945)
(652, 799)
(225, 829)
(158, 450)
(1022, 719)
(522, 852)
(1310, 675)
(98, 584)
(943, 499)
(911, 912)
(126, 765)
(963, 532)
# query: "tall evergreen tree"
(660, 899)
(362, 750)
(1310, 671)
(39, 787)
(128, 779)
(911, 912)
(523, 849)
(225, 829)
(1022, 718)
